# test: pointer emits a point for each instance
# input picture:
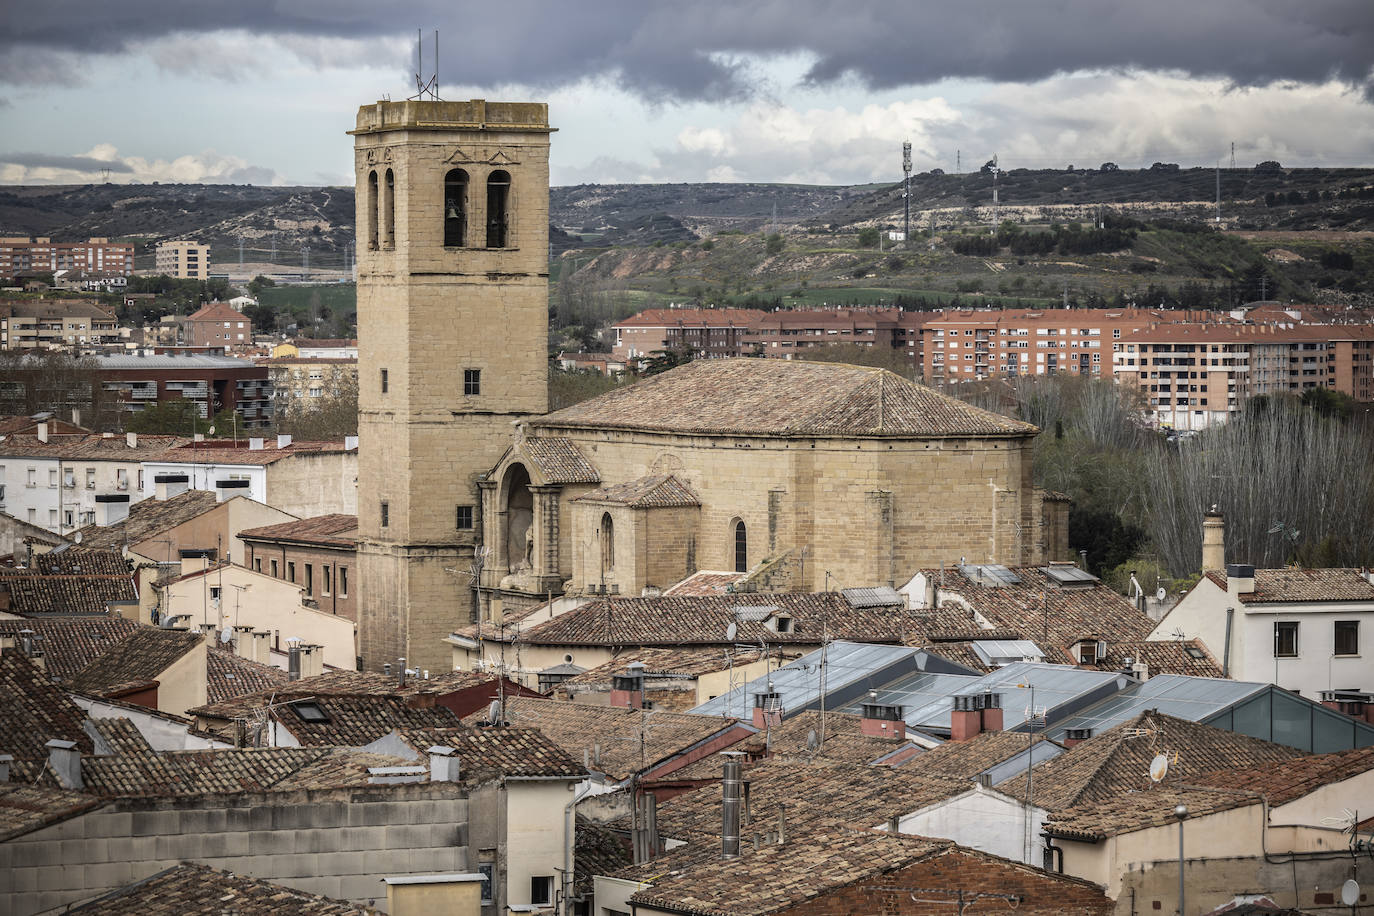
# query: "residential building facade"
(184, 259)
(218, 324)
(43, 255)
(141, 379)
(318, 553)
(61, 324)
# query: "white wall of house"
(206, 476)
(59, 494)
(536, 834)
(160, 731)
(985, 819)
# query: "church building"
(798, 476)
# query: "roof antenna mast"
(426, 87)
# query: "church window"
(498, 205)
(372, 211)
(472, 382)
(455, 208)
(389, 211)
(741, 547)
(464, 519)
(607, 543)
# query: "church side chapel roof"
(773, 397)
(658, 491)
(560, 461)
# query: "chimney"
(255, 444)
(111, 508)
(1240, 579)
(350, 443)
(42, 431)
(730, 805)
(195, 560)
(168, 485)
(131, 440)
(5, 761)
(767, 709)
(443, 764)
(31, 644)
(966, 719)
(65, 759)
(228, 489)
(293, 660)
(627, 690)
(283, 441)
(1074, 736)
(992, 712)
(312, 661)
(262, 647)
(400, 672)
(1213, 541)
(242, 640)
(882, 721)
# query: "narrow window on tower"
(498, 203)
(389, 211)
(384, 381)
(455, 208)
(372, 211)
(472, 382)
(386, 514)
(741, 547)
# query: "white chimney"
(255, 444)
(131, 440)
(194, 560)
(443, 764)
(283, 441)
(1240, 579)
(350, 443)
(228, 489)
(65, 759)
(111, 508)
(168, 485)
(312, 661)
(262, 647)
(42, 432)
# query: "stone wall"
(1307, 884)
(339, 843)
(307, 484)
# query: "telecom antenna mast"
(906, 192)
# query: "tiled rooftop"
(613, 740)
(71, 644)
(93, 447)
(229, 676)
(198, 890)
(498, 750)
(331, 530)
(1280, 586)
(1286, 780)
(148, 518)
(346, 684)
(1173, 656)
(560, 461)
(141, 656)
(966, 759)
(705, 582)
(33, 594)
(664, 661)
(81, 561)
(1141, 808)
(34, 711)
(783, 398)
(658, 491)
(27, 807)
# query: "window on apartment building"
(386, 513)
(33, 513)
(486, 869)
(67, 518)
(90, 478)
(310, 580)
(1347, 638)
(257, 564)
(290, 571)
(343, 581)
(276, 570)
(327, 581)
(541, 890)
(33, 477)
(121, 478)
(384, 381)
(52, 478)
(1286, 639)
(472, 382)
(463, 521)
(52, 518)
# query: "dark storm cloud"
(685, 51)
(75, 163)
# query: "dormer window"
(310, 711)
(780, 623)
(1091, 651)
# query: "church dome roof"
(769, 397)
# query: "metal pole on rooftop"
(1181, 812)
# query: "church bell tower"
(452, 241)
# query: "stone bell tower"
(452, 238)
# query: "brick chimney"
(111, 508)
(767, 709)
(882, 721)
(165, 486)
(974, 714)
(627, 689)
(1213, 541)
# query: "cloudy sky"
(817, 91)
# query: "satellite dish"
(76, 538)
(730, 632)
(1350, 892)
(494, 713)
(813, 741)
(1160, 593)
(1159, 768)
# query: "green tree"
(180, 417)
(774, 244)
(869, 237)
(663, 360)
(260, 283)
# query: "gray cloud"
(74, 163)
(686, 50)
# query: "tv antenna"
(426, 87)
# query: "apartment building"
(218, 325)
(785, 333)
(707, 333)
(303, 382)
(27, 324)
(184, 259)
(141, 379)
(43, 255)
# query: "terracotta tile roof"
(228, 675)
(560, 460)
(1038, 609)
(658, 491)
(334, 343)
(148, 518)
(1142, 808)
(666, 662)
(498, 751)
(93, 447)
(33, 595)
(1190, 657)
(598, 850)
(208, 772)
(670, 620)
(781, 877)
(777, 397)
(198, 890)
(347, 684)
(24, 807)
(223, 451)
(613, 740)
(1280, 586)
(966, 759)
(71, 644)
(332, 530)
(809, 790)
(33, 712)
(81, 561)
(1118, 760)
(705, 582)
(118, 736)
(10, 424)
(354, 721)
(139, 657)
(1286, 780)
(216, 311)
(714, 318)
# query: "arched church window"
(455, 208)
(389, 211)
(741, 547)
(372, 210)
(607, 543)
(498, 208)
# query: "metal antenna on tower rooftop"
(426, 87)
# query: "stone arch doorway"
(518, 538)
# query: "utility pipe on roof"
(1226, 652)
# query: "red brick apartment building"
(709, 333)
(43, 255)
(317, 553)
(219, 325)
